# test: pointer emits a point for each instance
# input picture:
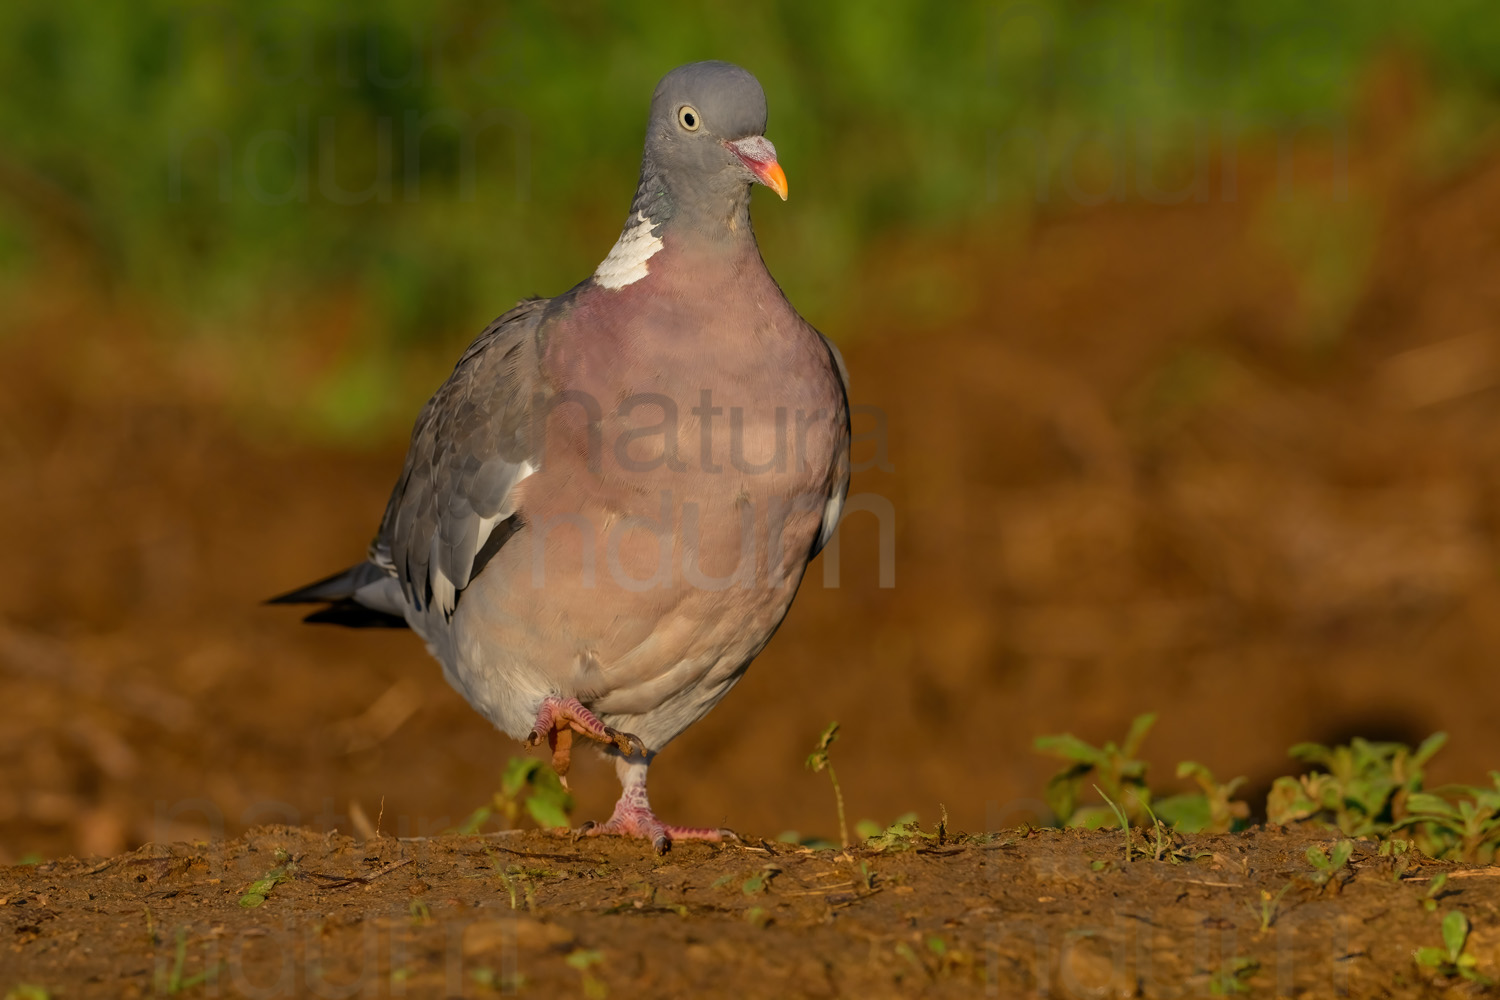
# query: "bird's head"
(707, 129)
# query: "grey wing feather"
(835, 505)
(471, 445)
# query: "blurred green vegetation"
(435, 161)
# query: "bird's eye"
(687, 117)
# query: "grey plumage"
(472, 443)
(470, 446)
(516, 539)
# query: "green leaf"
(1428, 805)
(28, 991)
(548, 812)
(1312, 753)
(1428, 747)
(584, 959)
(818, 759)
(1069, 747)
(1096, 818)
(476, 820)
(1062, 792)
(1195, 770)
(518, 773)
(1431, 956)
(1187, 813)
(1289, 802)
(1139, 729)
(1455, 932)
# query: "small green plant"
(1112, 770)
(528, 784)
(1327, 865)
(1166, 846)
(1119, 776)
(1434, 890)
(27, 991)
(760, 881)
(1360, 789)
(1469, 827)
(1122, 819)
(1451, 959)
(260, 890)
(1234, 978)
(905, 951)
(419, 913)
(817, 762)
(1212, 809)
(518, 882)
(172, 982)
(1268, 908)
(584, 960)
(903, 834)
(489, 979)
(1376, 790)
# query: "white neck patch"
(626, 263)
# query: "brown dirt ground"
(1042, 913)
(1233, 461)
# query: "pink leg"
(559, 718)
(633, 816)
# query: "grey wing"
(840, 485)
(453, 506)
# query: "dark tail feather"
(337, 591)
(333, 588)
(352, 614)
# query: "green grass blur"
(435, 161)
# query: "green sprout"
(1451, 959)
(1326, 866)
(528, 784)
(1234, 978)
(1471, 826)
(1269, 907)
(1112, 769)
(584, 961)
(260, 890)
(1358, 789)
(1434, 890)
(819, 761)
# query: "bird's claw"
(635, 819)
(626, 743)
(559, 718)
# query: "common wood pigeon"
(607, 508)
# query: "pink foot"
(559, 718)
(633, 818)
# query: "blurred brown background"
(1231, 459)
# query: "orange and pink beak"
(759, 156)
